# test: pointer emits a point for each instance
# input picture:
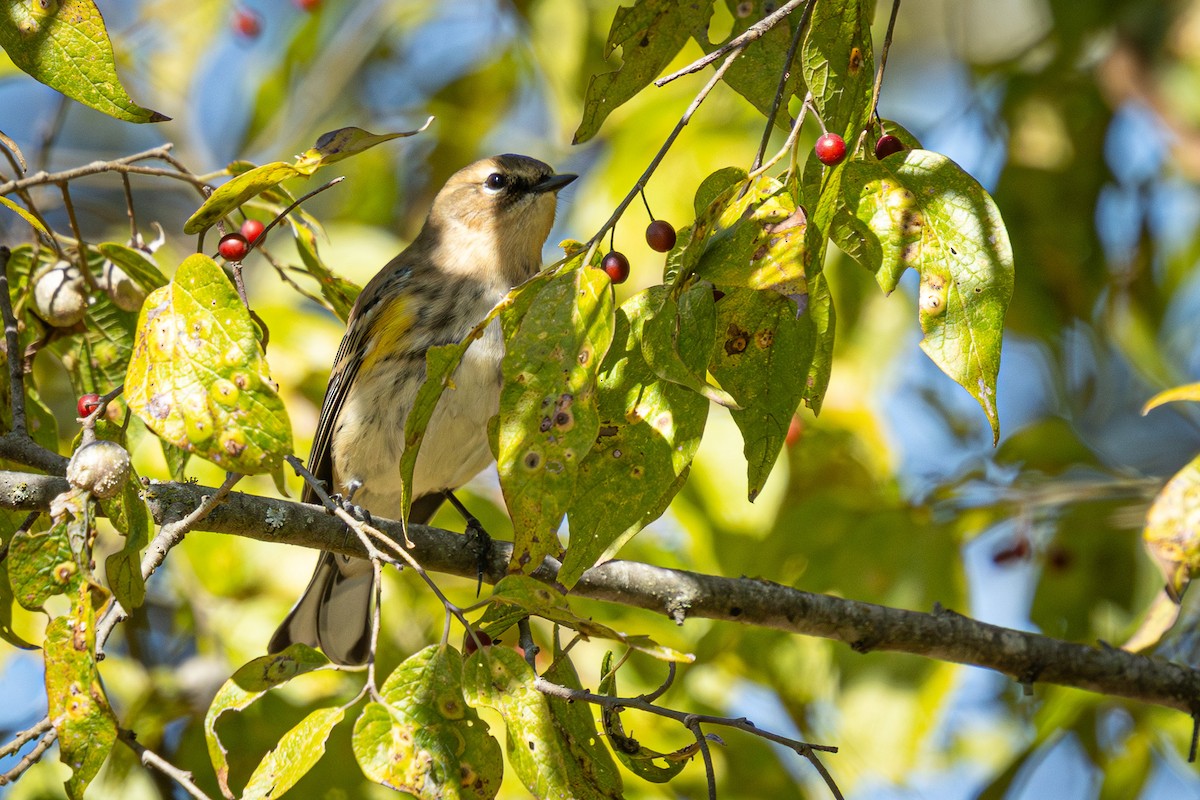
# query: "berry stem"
(784, 74)
(883, 54)
(646, 203)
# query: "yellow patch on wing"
(395, 320)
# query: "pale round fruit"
(125, 293)
(101, 467)
(59, 296)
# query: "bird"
(483, 235)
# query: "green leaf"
(248, 684)
(426, 740)
(136, 264)
(499, 679)
(198, 377)
(761, 240)
(548, 416)
(577, 727)
(649, 431)
(123, 568)
(9, 521)
(821, 310)
(64, 44)
(762, 355)
(649, 34)
(333, 146)
(671, 327)
(78, 706)
(926, 213)
(755, 73)
(340, 292)
(298, 750)
(838, 66)
(630, 752)
(25, 215)
(41, 565)
(237, 191)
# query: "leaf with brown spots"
(923, 211)
(649, 431)
(761, 356)
(86, 726)
(548, 418)
(426, 740)
(198, 377)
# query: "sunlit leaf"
(838, 65)
(248, 684)
(136, 264)
(333, 146)
(499, 679)
(337, 290)
(237, 191)
(64, 44)
(298, 750)
(426, 740)
(927, 214)
(1189, 391)
(1172, 532)
(198, 377)
(548, 416)
(41, 565)
(821, 309)
(25, 215)
(649, 431)
(78, 706)
(649, 34)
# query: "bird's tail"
(334, 613)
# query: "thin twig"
(710, 775)
(25, 736)
(784, 75)
(755, 31)
(30, 758)
(125, 164)
(80, 245)
(883, 54)
(662, 151)
(151, 759)
(525, 639)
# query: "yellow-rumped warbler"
(484, 235)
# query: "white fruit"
(100, 467)
(58, 295)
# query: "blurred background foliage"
(1082, 118)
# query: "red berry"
(1018, 550)
(469, 645)
(87, 404)
(660, 236)
(830, 148)
(617, 266)
(247, 23)
(307, 5)
(794, 432)
(233, 246)
(252, 229)
(887, 145)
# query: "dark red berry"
(1018, 550)
(233, 247)
(660, 236)
(617, 266)
(887, 145)
(252, 229)
(87, 404)
(830, 148)
(247, 23)
(469, 645)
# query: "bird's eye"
(495, 182)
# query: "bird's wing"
(374, 311)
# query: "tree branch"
(943, 634)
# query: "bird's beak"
(552, 183)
